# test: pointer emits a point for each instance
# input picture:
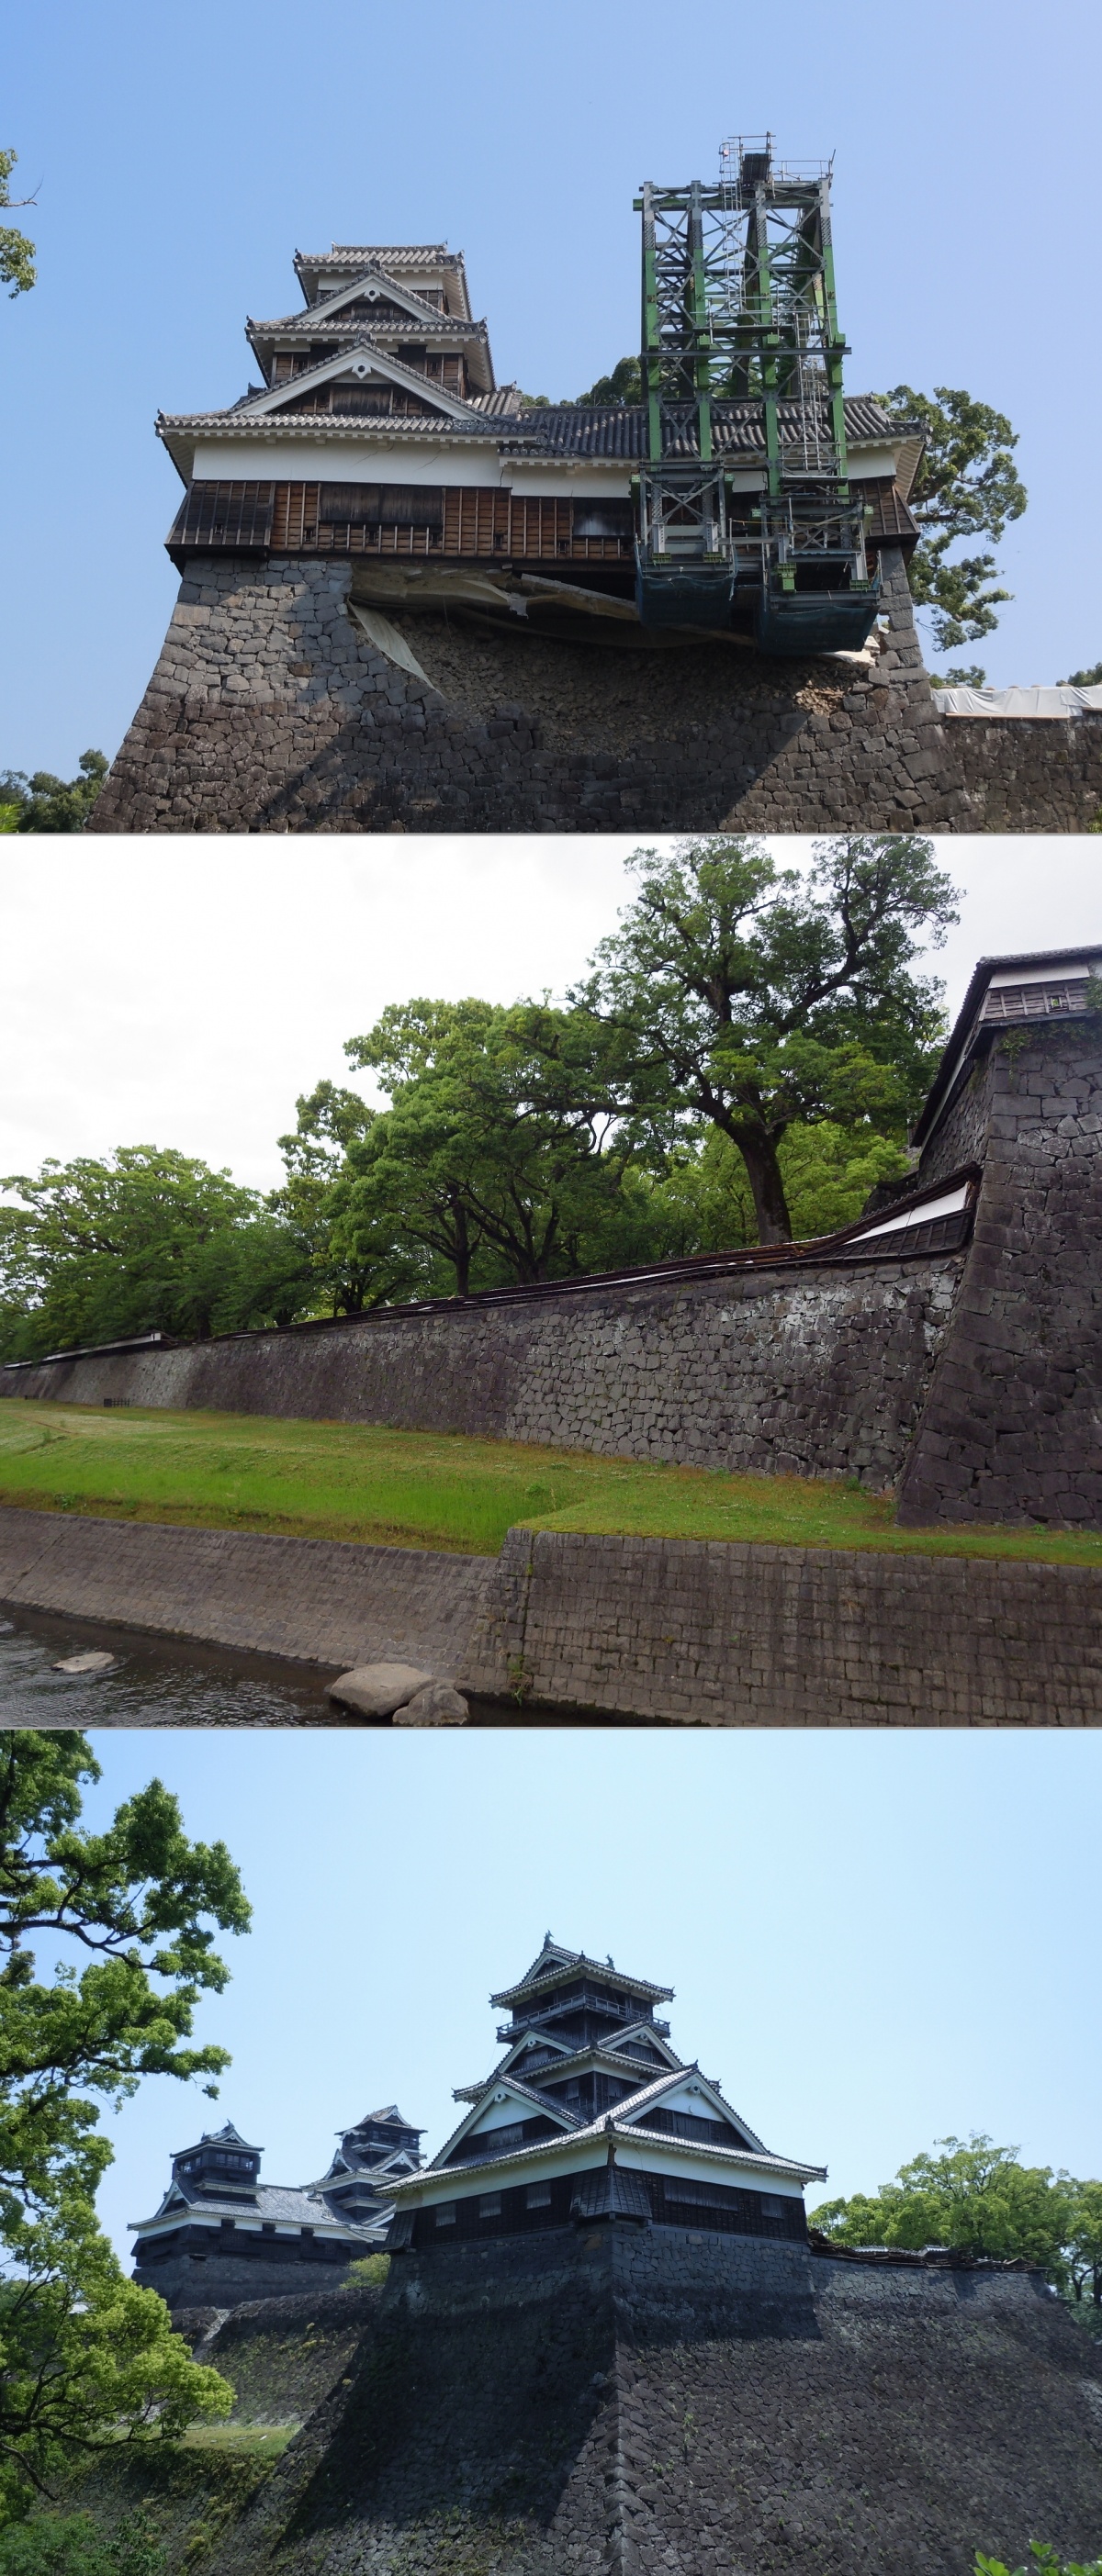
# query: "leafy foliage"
(86, 2357)
(978, 2199)
(56, 2544)
(503, 1142)
(967, 486)
(149, 1241)
(1091, 679)
(17, 269)
(48, 804)
(1046, 2562)
(623, 387)
(749, 998)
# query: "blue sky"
(875, 1939)
(183, 159)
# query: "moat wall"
(637, 2400)
(677, 1632)
(268, 711)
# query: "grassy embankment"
(419, 1489)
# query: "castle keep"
(411, 597)
(591, 2116)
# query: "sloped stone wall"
(640, 2401)
(269, 712)
(1011, 1428)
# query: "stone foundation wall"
(632, 2401)
(269, 712)
(219, 2281)
(818, 1371)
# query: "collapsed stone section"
(270, 711)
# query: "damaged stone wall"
(813, 1371)
(636, 2400)
(270, 711)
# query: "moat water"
(154, 1681)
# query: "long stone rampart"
(672, 1631)
(815, 1369)
(269, 711)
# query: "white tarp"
(1055, 704)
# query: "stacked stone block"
(268, 711)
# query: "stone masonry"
(629, 2401)
(1011, 1429)
(268, 711)
(816, 1370)
(673, 1631)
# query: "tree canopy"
(17, 269)
(44, 803)
(977, 2198)
(967, 487)
(148, 1241)
(750, 998)
(622, 387)
(88, 2357)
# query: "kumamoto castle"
(413, 598)
(608, 2339)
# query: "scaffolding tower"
(739, 310)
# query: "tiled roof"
(411, 254)
(271, 2200)
(575, 429)
(597, 429)
(313, 322)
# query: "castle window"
(490, 2205)
(538, 2196)
(772, 2206)
(445, 2213)
(599, 518)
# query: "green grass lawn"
(418, 1489)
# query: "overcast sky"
(181, 159)
(875, 1939)
(185, 992)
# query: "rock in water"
(376, 1690)
(439, 1705)
(92, 1662)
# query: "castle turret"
(221, 2235)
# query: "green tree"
(329, 1122)
(48, 804)
(86, 2357)
(69, 2544)
(623, 387)
(17, 269)
(505, 1142)
(1084, 2243)
(972, 2196)
(967, 487)
(1091, 679)
(148, 1241)
(747, 997)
